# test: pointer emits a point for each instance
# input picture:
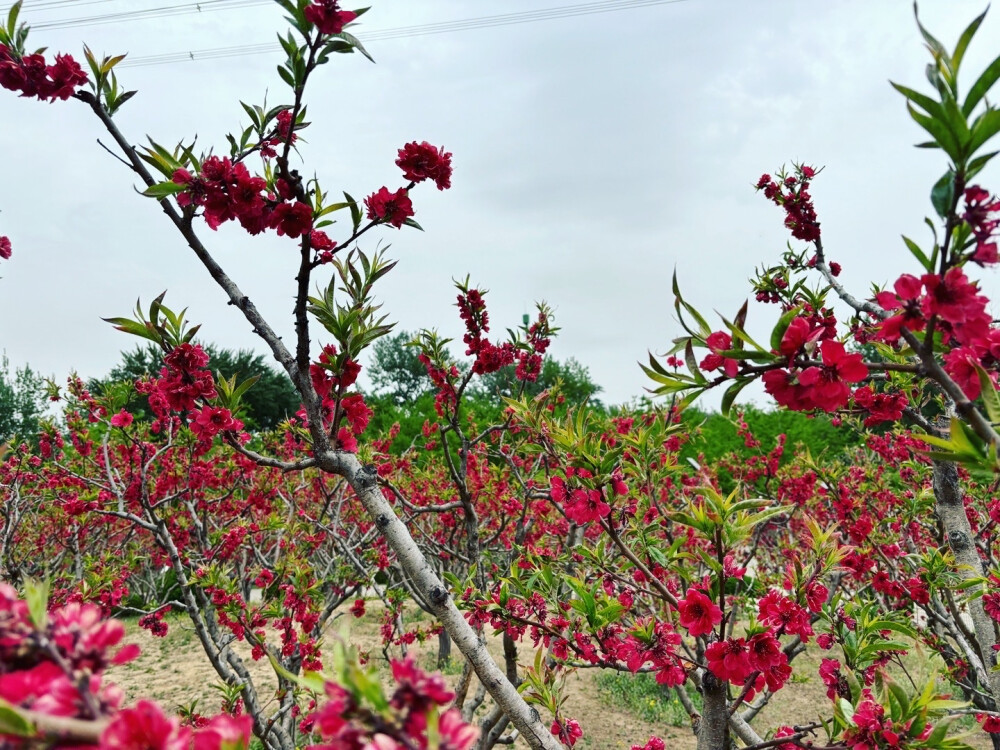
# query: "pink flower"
(327, 16)
(718, 342)
(389, 208)
(292, 219)
(224, 732)
(827, 384)
(121, 419)
(5, 248)
(729, 660)
(422, 161)
(698, 613)
(455, 733)
(145, 727)
(568, 731)
(585, 506)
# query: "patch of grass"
(643, 696)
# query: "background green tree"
(22, 401)
(270, 400)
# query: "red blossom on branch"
(698, 613)
(389, 208)
(327, 16)
(30, 76)
(422, 161)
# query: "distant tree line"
(401, 392)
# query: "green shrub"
(642, 695)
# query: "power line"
(467, 24)
(148, 13)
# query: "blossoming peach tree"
(191, 406)
(578, 532)
(919, 356)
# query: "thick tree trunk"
(958, 533)
(364, 482)
(713, 730)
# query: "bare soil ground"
(175, 671)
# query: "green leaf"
(985, 127)
(704, 330)
(943, 194)
(286, 76)
(989, 394)
(11, 722)
(963, 41)
(781, 327)
(729, 397)
(110, 62)
(163, 190)
(356, 43)
(939, 132)
(917, 253)
(15, 9)
(692, 364)
(36, 595)
(977, 164)
(981, 87)
(355, 211)
(930, 106)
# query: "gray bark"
(364, 481)
(958, 533)
(713, 729)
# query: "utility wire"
(467, 24)
(148, 13)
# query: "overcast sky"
(593, 155)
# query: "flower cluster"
(422, 161)
(819, 385)
(227, 191)
(327, 16)
(55, 667)
(529, 361)
(718, 342)
(389, 208)
(346, 723)
(960, 313)
(982, 214)
(489, 356)
(5, 248)
(330, 380)
(792, 194)
(581, 505)
(30, 76)
(698, 613)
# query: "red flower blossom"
(954, 298)
(717, 342)
(390, 208)
(121, 419)
(698, 613)
(5, 248)
(292, 219)
(568, 731)
(422, 161)
(327, 16)
(224, 733)
(585, 506)
(145, 727)
(729, 660)
(828, 384)
(781, 612)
